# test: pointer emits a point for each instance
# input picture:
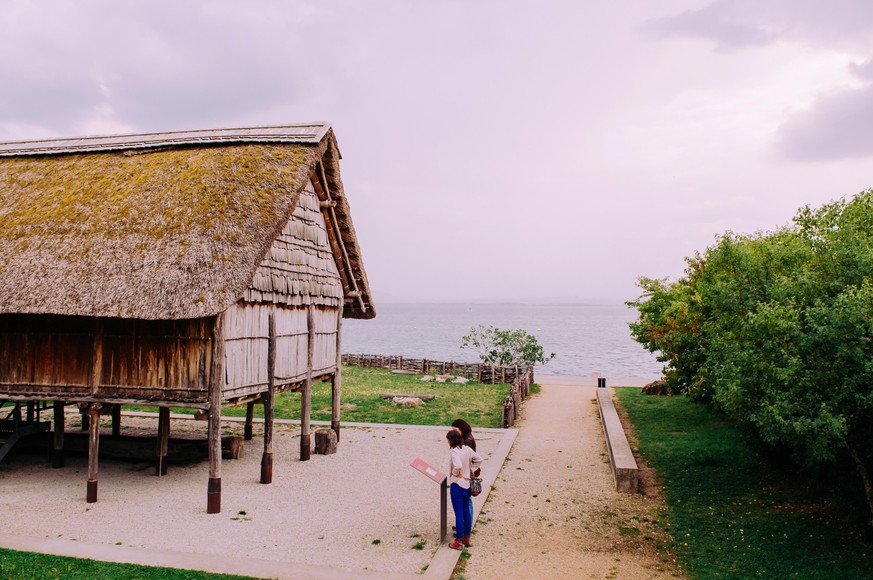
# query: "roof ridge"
(303, 133)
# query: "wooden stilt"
(58, 436)
(267, 459)
(250, 417)
(216, 381)
(162, 439)
(93, 450)
(116, 420)
(306, 396)
(336, 382)
(85, 421)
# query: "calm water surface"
(585, 337)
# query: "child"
(464, 461)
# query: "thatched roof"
(160, 226)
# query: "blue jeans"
(462, 504)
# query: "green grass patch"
(28, 565)
(481, 405)
(732, 514)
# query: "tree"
(505, 347)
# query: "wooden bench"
(624, 466)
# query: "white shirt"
(464, 462)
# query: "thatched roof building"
(165, 225)
(193, 269)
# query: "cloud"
(716, 22)
(170, 67)
(838, 126)
(737, 24)
(863, 71)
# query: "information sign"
(422, 466)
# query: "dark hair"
(463, 426)
(455, 438)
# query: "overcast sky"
(506, 149)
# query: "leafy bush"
(505, 347)
(777, 329)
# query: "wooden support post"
(93, 450)
(337, 380)
(116, 420)
(267, 459)
(444, 506)
(306, 396)
(250, 417)
(163, 438)
(58, 438)
(30, 407)
(216, 381)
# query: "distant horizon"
(559, 301)
(586, 337)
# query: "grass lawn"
(733, 515)
(27, 565)
(481, 405)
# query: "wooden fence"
(519, 391)
(483, 373)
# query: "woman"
(466, 432)
(464, 461)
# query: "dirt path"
(553, 510)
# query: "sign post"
(425, 468)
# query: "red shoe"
(456, 545)
(466, 541)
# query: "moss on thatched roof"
(166, 233)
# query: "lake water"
(586, 338)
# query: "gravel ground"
(363, 508)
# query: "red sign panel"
(426, 469)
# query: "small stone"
(657, 388)
(407, 401)
(461, 380)
(427, 378)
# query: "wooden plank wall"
(64, 356)
(246, 346)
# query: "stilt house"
(188, 269)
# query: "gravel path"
(553, 511)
